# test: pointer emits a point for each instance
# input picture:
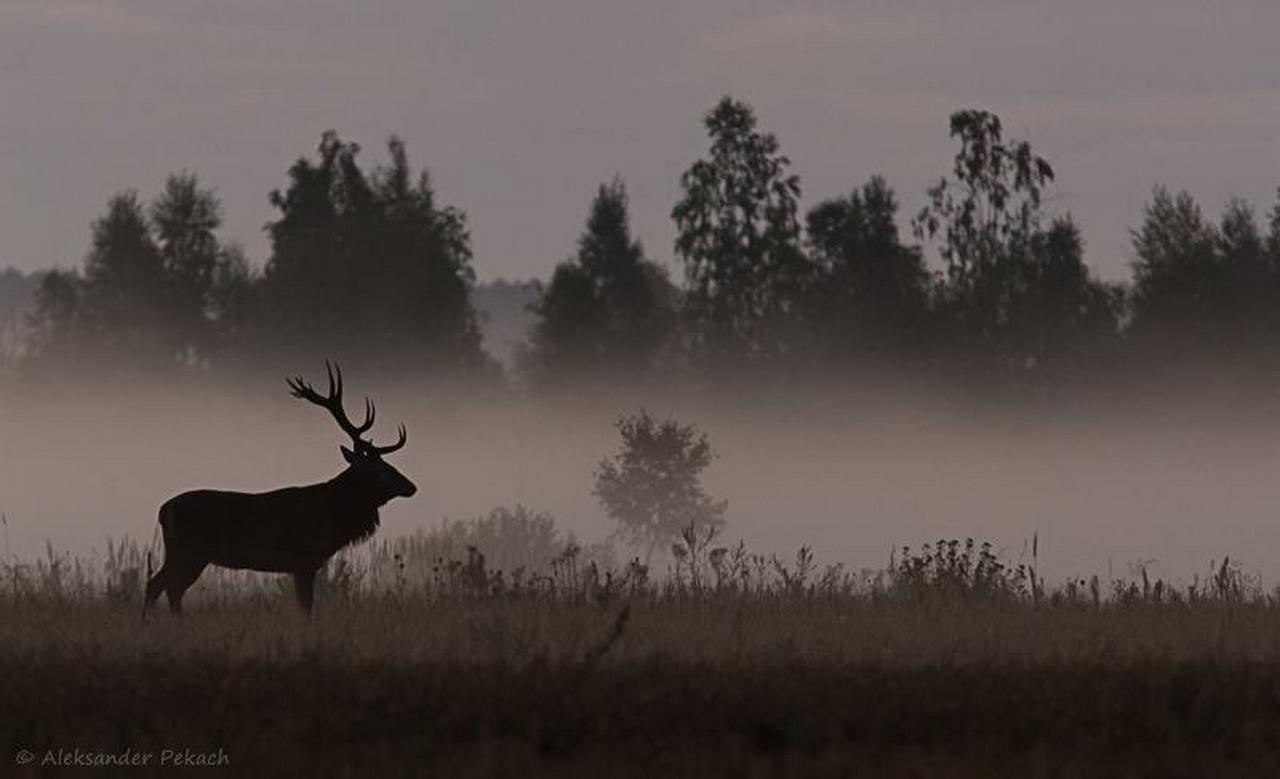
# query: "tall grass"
(497, 646)
(515, 553)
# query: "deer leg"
(155, 586)
(304, 583)
(179, 579)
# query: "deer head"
(376, 479)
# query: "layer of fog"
(851, 478)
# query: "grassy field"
(948, 662)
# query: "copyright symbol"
(24, 757)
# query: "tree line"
(366, 265)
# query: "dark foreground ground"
(659, 718)
(492, 689)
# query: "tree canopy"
(368, 265)
(739, 238)
(607, 311)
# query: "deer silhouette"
(294, 530)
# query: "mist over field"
(836, 389)
(1106, 485)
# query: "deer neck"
(353, 509)
(350, 493)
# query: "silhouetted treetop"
(1213, 289)
(1017, 295)
(147, 300)
(186, 218)
(369, 266)
(738, 235)
(872, 292)
(605, 312)
(992, 201)
(57, 323)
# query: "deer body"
(294, 530)
(281, 531)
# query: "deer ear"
(348, 455)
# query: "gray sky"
(520, 108)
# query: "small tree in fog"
(652, 486)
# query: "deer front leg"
(304, 582)
(155, 586)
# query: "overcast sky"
(519, 108)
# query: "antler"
(381, 450)
(333, 402)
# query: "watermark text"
(174, 757)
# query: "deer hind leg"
(180, 577)
(304, 583)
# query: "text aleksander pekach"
(170, 758)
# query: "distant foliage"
(871, 300)
(608, 310)
(152, 295)
(17, 299)
(507, 539)
(738, 234)
(1017, 291)
(367, 265)
(369, 268)
(504, 308)
(1202, 288)
(60, 335)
